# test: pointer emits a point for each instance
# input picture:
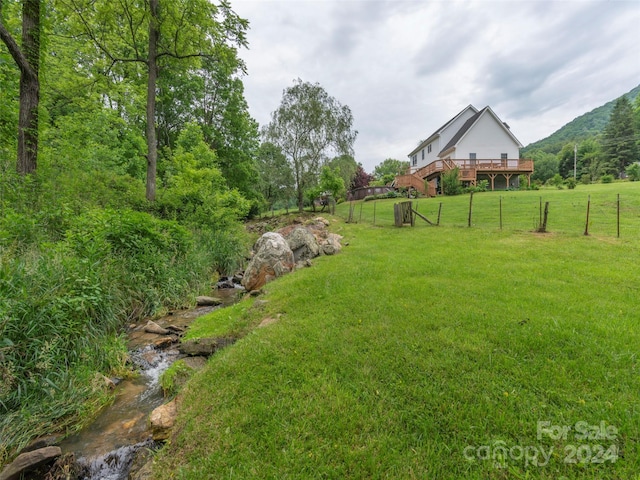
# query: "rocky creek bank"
(118, 445)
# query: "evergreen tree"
(620, 147)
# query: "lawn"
(434, 352)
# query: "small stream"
(106, 448)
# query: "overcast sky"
(407, 67)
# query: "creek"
(107, 447)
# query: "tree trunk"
(152, 143)
(28, 61)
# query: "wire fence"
(598, 213)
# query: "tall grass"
(67, 290)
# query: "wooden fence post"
(586, 226)
(500, 212)
(439, 211)
(470, 207)
(543, 226)
(618, 216)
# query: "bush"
(633, 172)
(570, 183)
(585, 179)
(608, 178)
(451, 182)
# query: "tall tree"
(619, 143)
(156, 34)
(27, 57)
(390, 166)
(276, 177)
(308, 125)
(346, 166)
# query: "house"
(475, 141)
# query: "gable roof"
(472, 121)
(431, 137)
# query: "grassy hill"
(585, 126)
(433, 352)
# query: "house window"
(414, 160)
(472, 156)
(503, 156)
(429, 148)
(423, 154)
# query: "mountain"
(588, 125)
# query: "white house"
(477, 142)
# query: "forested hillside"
(588, 125)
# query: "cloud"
(406, 67)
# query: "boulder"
(332, 245)
(204, 346)
(204, 301)
(28, 461)
(303, 244)
(273, 258)
(153, 327)
(162, 420)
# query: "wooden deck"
(420, 178)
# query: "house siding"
(488, 140)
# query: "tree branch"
(14, 49)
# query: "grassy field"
(434, 352)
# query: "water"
(107, 447)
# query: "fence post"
(470, 207)
(439, 210)
(618, 215)
(586, 226)
(360, 219)
(543, 226)
(500, 212)
(374, 213)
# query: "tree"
(390, 166)
(361, 178)
(346, 166)
(619, 143)
(566, 159)
(308, 126)
(545, 165)
(155, 34)
(27, 58)
(276, 177)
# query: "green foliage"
(451, 184)
(389, 168)
(620, 138)
(585, 179)
(608, 178)
(545, 165)
(174, 377)
(589, 125)
(346, 167)
(633, 172)
(276, 176)
(571, 183)
(308, 125)
(556, 180)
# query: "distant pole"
(360, 218)
(470, 206)
(575, 160)
(439, 211)
(500, 212)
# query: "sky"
(405, 68)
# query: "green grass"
(412, 345)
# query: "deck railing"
(469, 167)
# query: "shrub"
(451, 182)
(570, 183)
(608, 178)
(633, 172)
(585, 179)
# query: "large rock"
(204, 346)
(26, 462)
(273, 258)
(303, 244)
(162, 420)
